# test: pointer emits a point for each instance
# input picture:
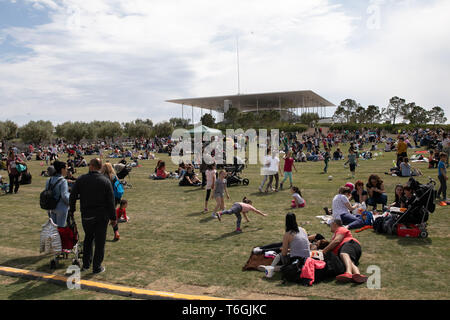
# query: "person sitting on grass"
(405, 168)
(348, 249)
(237, 208)
(190, 178)
(337, 155)
(121, 211)
(399, 197)
(161, 172)
(296, 241)
(359, 195)
(377, 194)
(298, 201)
(341, 209)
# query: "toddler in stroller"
(4, 186)
(412, 222)
(123, 170)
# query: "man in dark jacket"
(97, 207)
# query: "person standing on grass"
(220, 189)
(61, 193)
(11, 165)
(288, 165)
(96, 196)
(326, 159)
(446, 146)
(402, 149)
(265, 169)
(352, 161)
(110, 173)
(210, 182)
(442, 176)
(240, 207)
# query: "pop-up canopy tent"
(204, 129)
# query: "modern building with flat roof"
(296, 102)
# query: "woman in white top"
(342, 209)
(210, 182)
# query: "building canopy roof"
(261, 101)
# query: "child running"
(238, 208)
(220, 188)
(352, 161)
(210, 182)
(298, 201)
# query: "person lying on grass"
(238, 208)
(348, 249)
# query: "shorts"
(353, 249)
(352, 167)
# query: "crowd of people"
(101, 202)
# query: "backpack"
(367, 218)
(47, 201)
(291, 272)
(118, 189)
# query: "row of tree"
(40, 131)
(349, 111)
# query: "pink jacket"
(309, 267)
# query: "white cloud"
(120, 60)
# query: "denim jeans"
(378, 199)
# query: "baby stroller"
(123, 170)
(413, 222)
(234, 173)
(69, 243)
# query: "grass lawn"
(170, 245)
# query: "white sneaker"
(257, 250)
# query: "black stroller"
(416, 216)
(234, 173)
(122, 172)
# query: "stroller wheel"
(245, 182)
(423, 234)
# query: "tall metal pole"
(192, 114)
(238, 69)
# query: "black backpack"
(291, 272)
(47, 201)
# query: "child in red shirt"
(121, 212)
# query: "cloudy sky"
(121, 59)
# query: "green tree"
(359, 115)
(373, 114)
(437, 115)
(179, 122)
(208, 120)
(139, 129)
(406, 109)
(350, 106)
(232, 116)
(393, 109)
(340, 115)
(163, 129)
(308, 118)
(8, 130)
(418, 115)
(109, 130)
(36, 131)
